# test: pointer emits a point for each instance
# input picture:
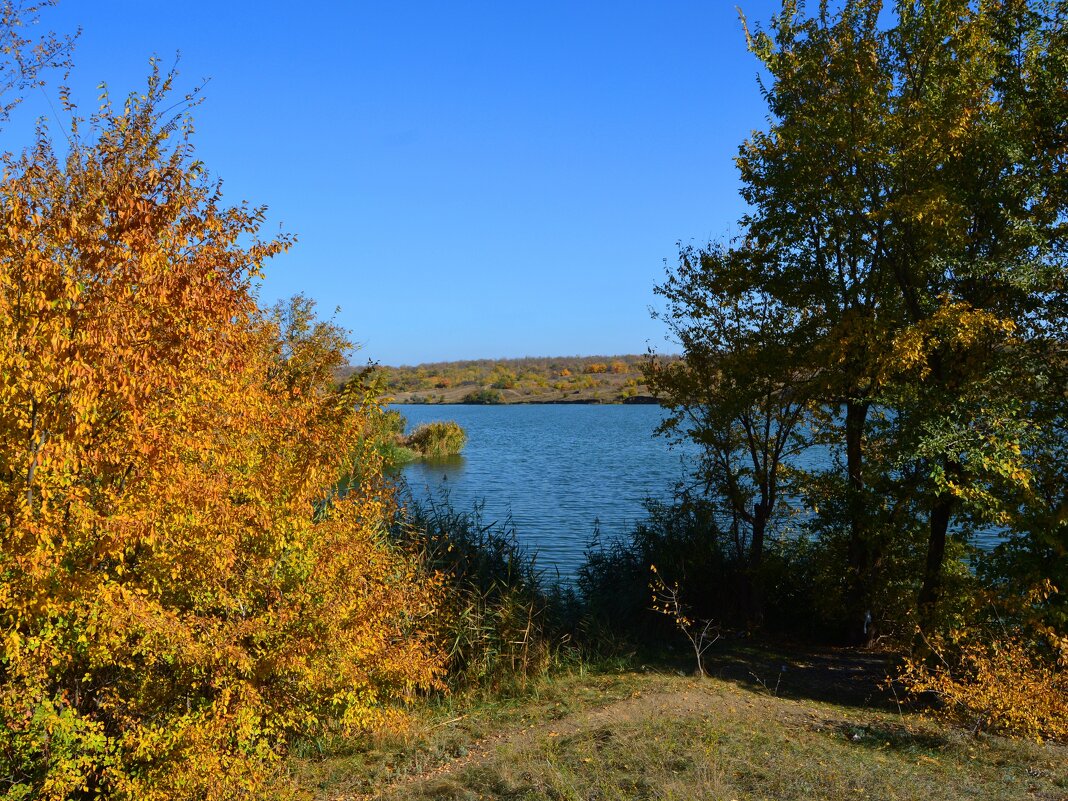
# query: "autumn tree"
(978, 249)
(25, 58)
(182, 589)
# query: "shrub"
(384, 434)
(436, 440)
(483, 396)
(1010, 683)
(182, 588)
(683, 542)
(692, 547)
(1007, 673)
(502, 378)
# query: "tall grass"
(500, 621)
(385, 433)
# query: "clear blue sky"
(465, 179)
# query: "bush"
(685, 543)
(691, 547)
(182, 588)
(1004, 676)
(435, 440)
(384, 434)
(483, 396)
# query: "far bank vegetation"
(564, 379)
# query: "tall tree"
(907, 211)
(813, 181)
(943, 211)
(978, 256)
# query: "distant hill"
(561, 379)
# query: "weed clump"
(436, 440)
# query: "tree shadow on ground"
(847, 676)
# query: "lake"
(556, 468)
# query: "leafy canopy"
(181, 588)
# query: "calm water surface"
(557, 469)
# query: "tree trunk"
(861, 554)
(931, 591)
(941, 512)
(754, 595)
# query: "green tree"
(907, 214)
(811, 180)
(738, 394)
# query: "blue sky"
(465, 179)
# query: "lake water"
(557, 469)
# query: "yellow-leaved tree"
(182, 588)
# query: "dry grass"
(634, 735)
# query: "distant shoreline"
(543, 380)
(640, 400)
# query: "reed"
(501, 623)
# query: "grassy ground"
(768, 726)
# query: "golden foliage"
(955, 326)
(1003, 686)
(1012, 680)
(179, 590)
